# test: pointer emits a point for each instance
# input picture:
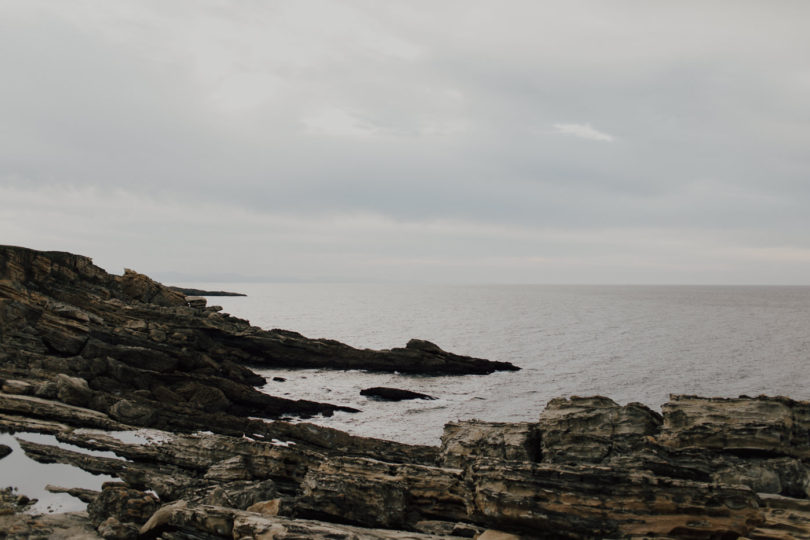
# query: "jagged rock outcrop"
(145, 355)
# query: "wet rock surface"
(123, 365)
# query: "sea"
(629, 343)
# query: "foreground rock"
(95, 359)
(587, 468)
(392, 394)
(143, 354)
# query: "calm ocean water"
(630, 343)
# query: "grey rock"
(466, 441)
(73, 390)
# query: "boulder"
(196, 302)
(4, 451)
(123, 503)
(112, 529)
(139, 287)
(392, 394)
(73, 390)
(589, 429)
(132, 412)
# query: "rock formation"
(124, 365)
(130, 348)
(630, 477)
(199, 292)
(392, 394)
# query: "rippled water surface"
(637, 343)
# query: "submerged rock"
(392, 394)
(4, 451)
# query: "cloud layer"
(525, 142)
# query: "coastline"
(92, 358)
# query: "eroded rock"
(774, 426)
(589, 429)
(463, 442)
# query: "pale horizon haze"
(459, 142)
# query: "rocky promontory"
(131, 381)
(200, 292)
(145, 355)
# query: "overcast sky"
(438, 141)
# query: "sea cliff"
(95, 359)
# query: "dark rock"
(73, 390)
(285, 349)
(200, 292)
(112, 529)
(4, 451)
(149, 359)
(466, 441)
(131, 412)
(279, 379)
(423, 346)
(125, 504)
(392, 394)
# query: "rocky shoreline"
(200, 292)
(125, 366)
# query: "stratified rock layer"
(90, 357)
(496, 480)
(147, 355)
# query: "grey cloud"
(422, 111)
